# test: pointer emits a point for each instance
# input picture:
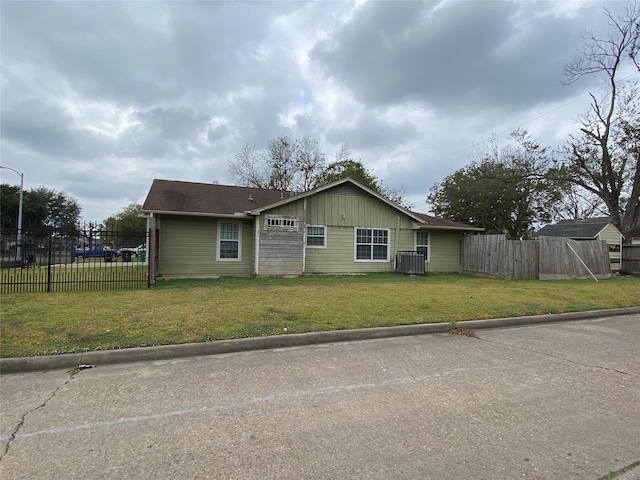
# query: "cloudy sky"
(100, 98)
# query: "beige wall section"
(338, 256)
(188, 248)
(613, 238)
(353, 211)
(445, 252)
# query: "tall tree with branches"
(603, 159)
(503, 190)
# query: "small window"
(422, 244)
(228, 241)
(279, 222)
(316, 236)
(372, 244)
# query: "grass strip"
(622, 471)
(183, 311)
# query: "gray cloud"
(99, 98)
(458, 56)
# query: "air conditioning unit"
(410, 263)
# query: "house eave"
(197, 214)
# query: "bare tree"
(281, 157)
(310, 163)
(249, 168)
(601, 159)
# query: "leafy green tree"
(128, 219)
(124, 229)
(43, 210)
(349, 168)
(9, 200)
(504, 190)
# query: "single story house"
(589, 229)
(209, 230)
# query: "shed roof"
(585, 228)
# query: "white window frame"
(427, 257)
(372, 229)
(220, 240)
(281, 222)
(323, 236)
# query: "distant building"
(589, 229)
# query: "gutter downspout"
(397, 242)
(304, 236)
(256, 248)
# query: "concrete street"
(550, 401)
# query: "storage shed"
(589, 229)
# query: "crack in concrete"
(559, 357)
(19, 425)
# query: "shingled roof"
(189, 198)
(207, 198)
(587, 228)
(444, 223)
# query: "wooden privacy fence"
(631, 259)
(546, 258)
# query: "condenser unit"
(410, 263)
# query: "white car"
(135, 251)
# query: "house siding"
(188, 246)
(445, 252)
(614, 240)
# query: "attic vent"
(278, 222)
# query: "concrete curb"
(165, 352)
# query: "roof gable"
(342, 182)
(588, 228)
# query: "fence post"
(49, 254)
(151, 255)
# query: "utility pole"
(19, 238)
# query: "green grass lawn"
(182, 311)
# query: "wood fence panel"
(520, 259)
(562, 258)
(480, 254)
(631, 259)
(546, 258)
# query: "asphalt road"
(551, 401)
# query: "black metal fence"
(92, 259)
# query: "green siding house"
(206, 230)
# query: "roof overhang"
(197, 214)
(427, 226)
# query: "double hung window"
(372, 244)
(422, 244)
(228, 241)
(316, 236)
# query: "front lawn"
(182, 311)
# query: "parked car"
(94, 251)
(135, 251)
